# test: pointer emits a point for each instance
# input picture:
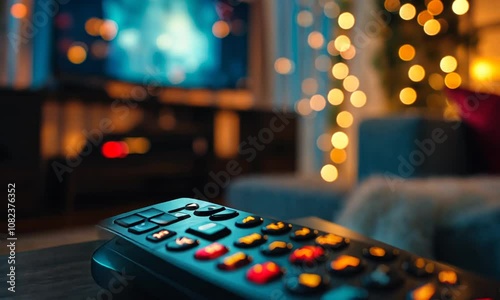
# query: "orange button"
(346, 264)
(211, 251)
(234, 261)
(424, 292)
(263, 273)
(332, 241)
(306, 254)
(448, 277)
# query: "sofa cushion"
(286, 196)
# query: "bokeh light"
(335, 96)
(407, 11)
(323, 142)
(317, 102)
(432, 27)
(351, 83)
(392, 5)
(436, 81)
(460, 7)
(108, 30)
(346, 20)
(349, 53)
(329, 173)
(340, 140)
(416, 73)
(323, 63)
(340, 70)
(77, 54)
(305, 18)
(448, 64)
(342, 43)
(406, 52)
(452, 80)
(331, 9)
(309, 86)
(408, 96)
(303, 107)
(423, 17)
(345, 119)
(338, 156)
(435, 7)
(221, 29)
(283, 65)
(93, 26)
(358, 99)
(18, 10)
(315, 40)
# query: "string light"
(338, 156)
(340, 140)
(346, 20)
(423, 17)
(329, 173)
(416, 73)
(406, 52)
(315, 40)
(351, 83)
(448, 64)
(340, 70)
(460, 7)
(407, 11)
(349, 53)
(408, 96)
(435, 7)
(392, 5)
(342, 43)
(432, 27)
(452, 80)
(283, 65)
(345, 119)
(436, 81)
(358, 99)
(317, 102)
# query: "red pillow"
(481, 112)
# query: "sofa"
(405, 162)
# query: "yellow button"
(344, 261)
(310, 280)
(424, 292)
(377, 251)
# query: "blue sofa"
(399, 147)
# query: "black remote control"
(208, 251)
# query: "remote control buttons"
(160, 235)
(150, 213)
(264, 273)
(418, 267)
(303, 234)
(129, 221)
(191, 206)
(165, 219)
(332, 241)
(380, 254)
(276, 248)
(181, 215)
(346, 292)
(208, 210)
(346, 265)
(277, 228)
(224, 215)
(234, 261)
(382, 277)
(423, 292)
(211, 251)
(210, 231)
(306, 254)
(448, 277)
(182, 243)
(143, 227)
(249, 222)
(306, 283)
(251, 240)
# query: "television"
(171, 43)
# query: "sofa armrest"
(406, 147)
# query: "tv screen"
(181, 43)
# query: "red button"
(211, 251)
(263, 273)
(306, 254)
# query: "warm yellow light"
(406, 52)
(93, 26)
(407, 11)
(18, 10)
(309, 86)
(452, 80)
(138, 145)
(448, 64)
(331, 9)
(482, 70)
(435, 7)
(340, 140)
(108, 30)
(335, 96)
(346, 20)
(315, 39)
(323, 142)
(331, 48)
(460, 7)
(283, 65)
(432, 27)
(344, 119)
(349, 53)
(392, 5)
(317, 102)
(323, 63)
(358, 99)
(416, 73)
(340, 70)
(436, 81)
(351, 83)
(305, 18)
(221, 29)
(77, 54)
(303, 107)
(329, 173)
(423, 17)
(408, 96)
(342, 43)
(338, 156)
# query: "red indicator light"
(114, 150)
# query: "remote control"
(209, 251)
